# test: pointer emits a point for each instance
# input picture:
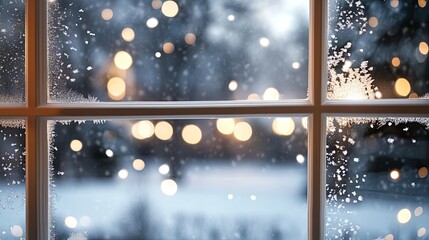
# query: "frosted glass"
(12, 51)
(12, 179)
(378, 49)
(180, 179)
(377, 184)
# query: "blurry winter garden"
(220, 178)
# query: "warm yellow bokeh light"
(107, 14)
(394, 3)
(402, 87)
(170, 8)
(421, 232)
(169, 187)
(192, 134)
(128, 34)
(163, 130)
(404, 216)
(76, 145)
(394, 174)
(424, 48)
(225, 125)
(422, 3)
(253, 96)
(168, 47)
(233, 85)
(389, 237)
(138, 164)
(116, 88)
(190, 38)
(413, 95)
(418, 211)
(396, 62)
(283, 126)
(143, 129)
(123, 60)
(271, 94)
(373, 22)
(304, 122)
(156, 4)
(378, 95)
(423, 172)
(242, 131)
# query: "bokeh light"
(225, 125)
(128, 34)
(418, 211)
(423, 48)
(253, 197)
(422, 3)
(164, 169)
(271, 94)
(190, 38)
(76, 145)
(143, 129)
(230, 196)
(394, 3)
(70, 222)
(169, 187)
(170, 8)
(253, 97)
(109, 153)
(152, 22)
(123, 60)
(168, 47)
(300, 158)
(138, 164)
(402, 87)
(107, 14)
(116, 88)
(163, 130)
(296, 65)
(233, 85)
(421, 232)
(304, 122)
(389, 237)
(378, 95)
(123, 173)
(404, 216)
(264, 42)
(16, 231)
(283, 126)
(85, 221)
(192, 134)
(396, 62)
(373, 22)
(156, 4)
(242, 131)
(394, 174)
(423, 172)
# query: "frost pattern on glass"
(242, 178)
(378, 49)
(376, 182)
(12, 179)
(178, 51)
(12, 51)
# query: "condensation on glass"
(12, 52)
(377, 183)
(229, 178)
(12, 179)
(177, 51)
(378, 49)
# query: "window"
(364, 156)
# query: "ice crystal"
(70, 96)
(12, 123)
(78, 236)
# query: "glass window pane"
(377, 178)
(378, 49)
(177, 50)
(179, 179)
(12, 179)
(12, 51)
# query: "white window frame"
(37, 111)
